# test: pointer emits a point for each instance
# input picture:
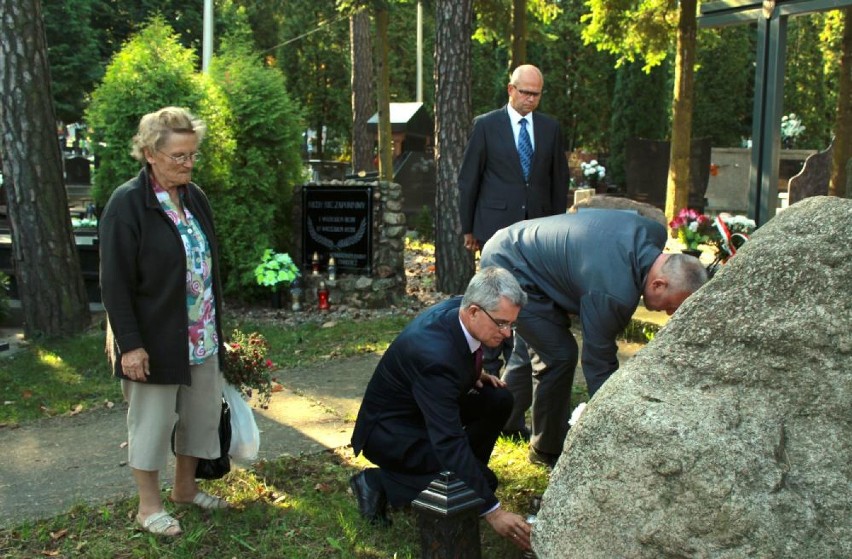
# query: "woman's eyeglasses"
(182, 159)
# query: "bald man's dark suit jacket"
(492, 190)
(412, 422)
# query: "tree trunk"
(454, 265)
(383, 87)
(363, 102)
(677, 188)
(841, 181)
(47, 267)
(519, 34)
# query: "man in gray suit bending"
(593, 264)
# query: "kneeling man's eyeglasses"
(501, 324)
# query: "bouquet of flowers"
(791, 129)
(731, 232)
(246, 366)
(593, 171)
(275, 268)
(691, 228)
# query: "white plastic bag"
(245, 436)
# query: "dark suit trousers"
(483, 414)
(545, 380)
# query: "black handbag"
(215, 468)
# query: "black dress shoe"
(543, 458)
(522, 434)
(372, 503)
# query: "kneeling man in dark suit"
(429, 407)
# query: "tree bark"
(519, 34)
(363, 102)
(841, 180)
(454, 265)
(677, 188)
(47, 266)
(383, 87)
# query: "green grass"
(293, 507)
(310, 343)
(72, 375)
(56, 377)
(296, 507)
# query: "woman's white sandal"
(159, 524)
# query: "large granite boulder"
(729, 435)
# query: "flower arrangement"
(731, 232)
(593, 171)
(791, 129)
(691, 228)
(246, 366)
(276, 268)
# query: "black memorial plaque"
(338, 222)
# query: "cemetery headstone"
(728, 434)
(814, 177)
(337, 222)
(78, 171)
(647, 167)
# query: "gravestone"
(814, 177)
(78, 171)
(727, 188)
(647, 165)
(729, 434)
(338, 223)
(618, 203)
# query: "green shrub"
(424, 224)
(151, 71)
(254, 207)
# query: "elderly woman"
(161, 290)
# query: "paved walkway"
(48, 466)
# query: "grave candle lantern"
(315, 262)
(322, 297)
(448, 519)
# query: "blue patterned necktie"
(525, 150)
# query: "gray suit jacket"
(592, 264)
(492, 190)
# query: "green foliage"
(316, 66)
(632, 29)
(424, 224)
(73, 53)
(151, 71)
(275, 269)
(724, 82)
(254, 205)
(641, 105)
(810, 88)
(489, 77)
(578, 80)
